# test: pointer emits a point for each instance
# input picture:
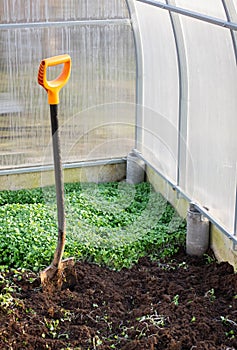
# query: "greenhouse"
(147, 118)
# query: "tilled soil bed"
(184, 304)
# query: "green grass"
(112, 224)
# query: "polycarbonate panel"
(159, 143)
(212, 122)
(212, 8)
(21, 11)
(232, 9)
(97, 106)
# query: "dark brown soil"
(186, 304)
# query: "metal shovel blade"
(55, 278)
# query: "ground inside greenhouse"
(188, 303)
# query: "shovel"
(59, 272)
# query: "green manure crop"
(111, 224)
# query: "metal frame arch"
(229, 8)
(230, 13)
(139, 72)
(183, 92)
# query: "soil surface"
(184, 304)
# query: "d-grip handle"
(54, 86)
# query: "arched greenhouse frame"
(155, 78)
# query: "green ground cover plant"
(112, 224)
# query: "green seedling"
(211, 295)
(154, 319)
(6, 301)
(209, 259)
(230, 334)
(96, 341)
(227, 321)
(176, 300)
(53, 327)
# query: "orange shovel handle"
(54, 86)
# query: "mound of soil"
(183, 304)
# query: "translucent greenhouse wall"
(187, 123)
(96, 111)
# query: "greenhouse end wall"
(97, 106)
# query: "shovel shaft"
(59, 185)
